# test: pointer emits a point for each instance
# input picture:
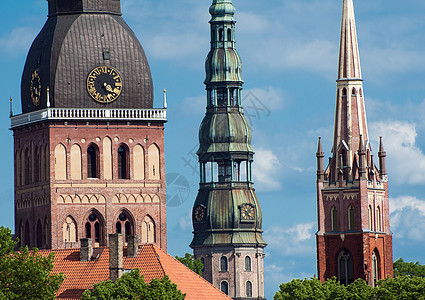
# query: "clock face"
(247, 213)
(199, 213)
(35, 88)
(104, 84)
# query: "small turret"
(320, 155)
(362, 160)
(382, 158)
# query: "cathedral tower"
(89, 146)
(354, 238)
(226, 215)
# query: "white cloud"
(194, 106)
(267, 99)
(296, 240)
(265, 170)
(185, 221)
(407, 217)
(405, 160)
(18, 40)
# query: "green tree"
(408, 268)
(401, 288)
(25, 274)
(194, 264)
(132, 286)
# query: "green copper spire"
(223, 63)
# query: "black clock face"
(199, 213)
(35, 88)
(104, 84)
(247, 213)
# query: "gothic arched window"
(69, 230)
(148, 230)
(345, 268)
(93, 162)
(378, 219)
(60, 162)
(334, 219)
(153, 160)
(124, 224)
(94, 228)
(223, 264)
(203, 264)
(375, 267)
(351, 223)
(247, 264)
(248, 287)
(224, 287)
(369, 212)
(27, 235)
(39, 241)
(123, 162)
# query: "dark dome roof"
(75, 39)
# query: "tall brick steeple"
(353, 239)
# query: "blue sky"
(289, 50)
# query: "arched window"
(345, 268)
(153, 158)
(353, 92)
(39, 241)
(27, 235)
(344, 92)
(37, 165)
(123, 169)
(17, 168)
(203, 264)
(148, 230)
(60, 162)
(26, 164)
(221, 97)
(223, 264)
(94, 228)
(220, 35)
(224, 287)
(124, 224)
(351, 223)
(369, 210)
(138, 163)
(75, 162)
(229, 35)
(107, 158)
(69, 230)
(248, 287)
(46, 232)
(334, 219)
(247, 264)
(375, 267)
(92, 162)
(378, 219)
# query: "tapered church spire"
(350, 117)
(353, 238)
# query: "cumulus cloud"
(18, 40)
(185, 221)
(407, 217)
(265, 170)
(296, 240)
(263, 100)
(406, 161)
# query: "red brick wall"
(83, 134)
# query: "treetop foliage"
(194, 264)
(132, 286)
(402, 268)
(25, 274)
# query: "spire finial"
(320, 155)
(11, 107)
(349, 58)
(382, 159)
(48, 97)
(165, 98)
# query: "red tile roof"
(152, 261)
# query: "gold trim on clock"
(104, 84)
(35, 88)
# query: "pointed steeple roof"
(349, 58)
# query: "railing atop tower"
(68, 114)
